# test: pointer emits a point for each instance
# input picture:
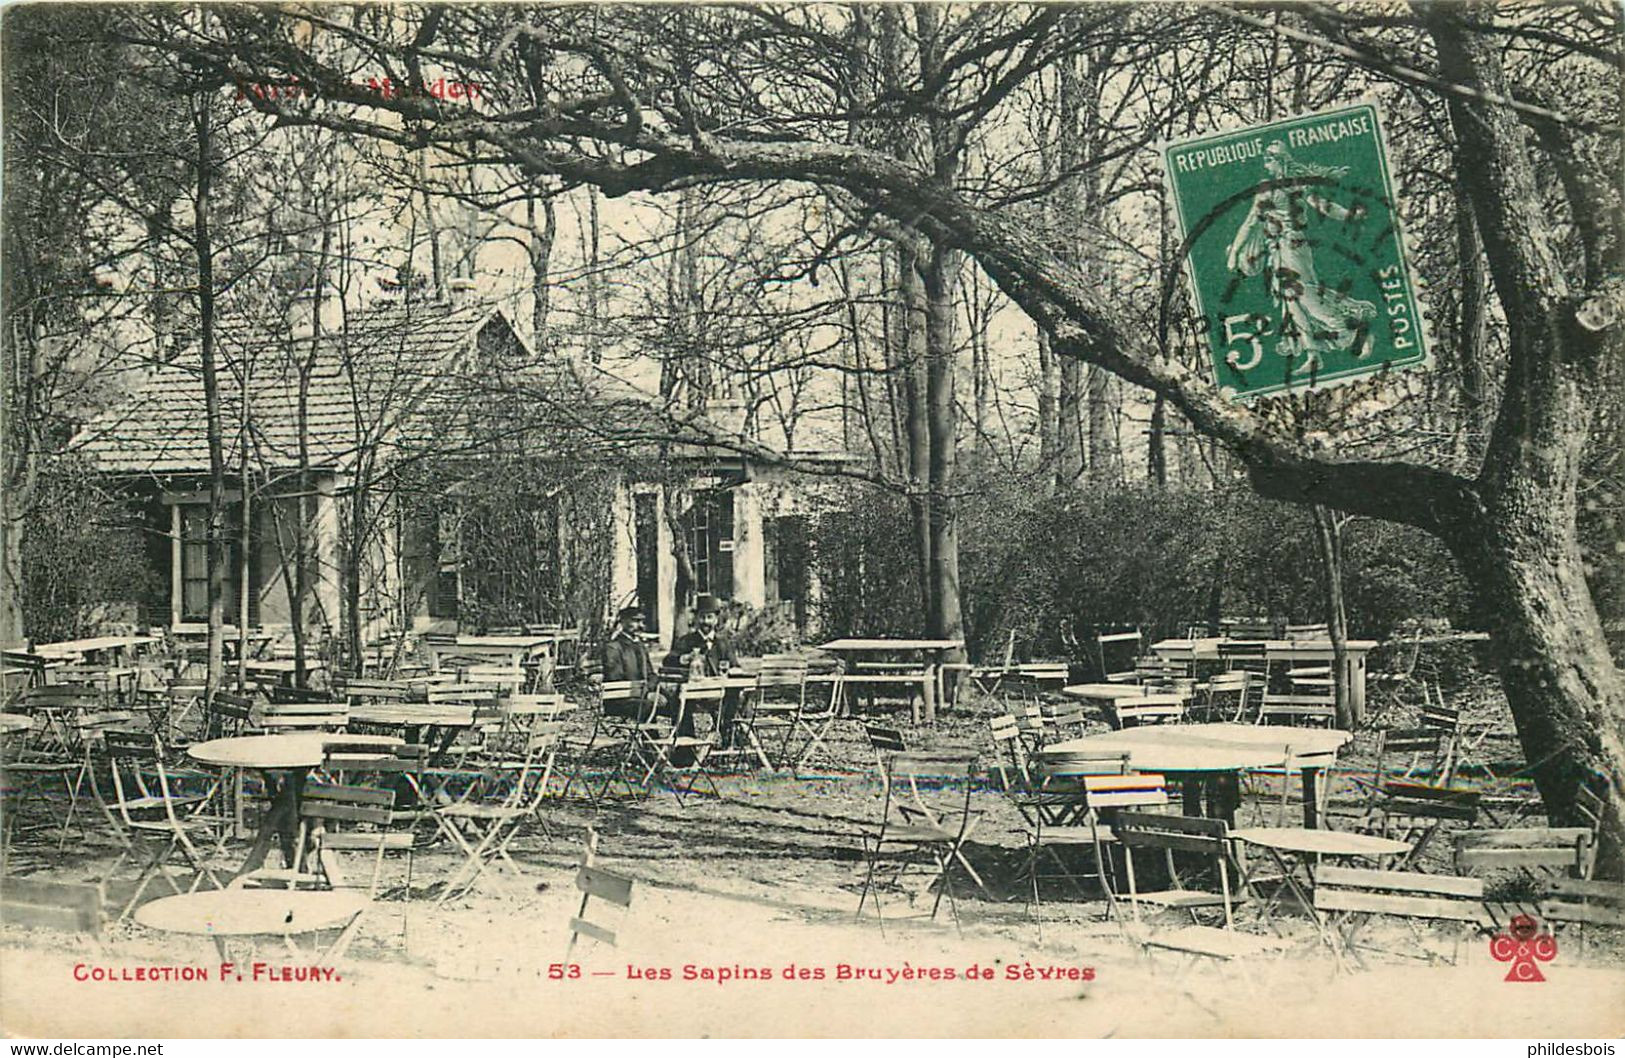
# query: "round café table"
(1295, 849)
(1212, 754)
(221, 913)
(284, 762)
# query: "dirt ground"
(745, 902)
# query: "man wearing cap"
(705, 651)
(625, 656)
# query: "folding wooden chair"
(1351, 896)
(153, 822)
(814, 719)
(1009, 753)
(1117, 652)
(911, 829)
(485, 824)
(1064, 811)
(677, 761)
(612, 743)
(335, 818)
(1228, 696)
(1408, 809)
(595, 882)
(781, 690)
(1209, 839)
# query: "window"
(711, 542)
(646, 548)
(192, 562)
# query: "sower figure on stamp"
(1274, 240)
(626, 657)
(705, 651)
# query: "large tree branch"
(1014, 252)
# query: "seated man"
(705, 651)
(626, 657)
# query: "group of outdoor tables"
(1287, 651)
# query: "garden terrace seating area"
(1015, 809)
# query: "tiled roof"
(365, 381)
(401, 375)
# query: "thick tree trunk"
(914, 352)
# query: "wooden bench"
(1351, 895)
(1566, 849)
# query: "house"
(415, 464)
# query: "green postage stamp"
(1294, 253)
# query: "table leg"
(1311, 798)
(1191, 793)
(281, 820)
(1223, 796)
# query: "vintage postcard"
(812, 520)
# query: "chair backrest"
(1149, 709)
(703, 690)
(64, 695)
(1008, 748)
(358, 690)
(299, 694)
(301, 716)
(1153, 669)
(884, 739)
(475, 694)
(501, 676)
(1131, 790)
(1116, 651)
(1293, 708)
(1550, 848)
(1075, 764)
(596, 882)
(545, 705)
(1156, 830)
(781, 670)
(70, 907)
(1441, 717)
(1247, 628)
(347, 803)
(1419, 800)
(620, 691)
(1583, 901)
(1403, 893)
(1309, 631)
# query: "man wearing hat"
(625, 657)
(705, 651)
